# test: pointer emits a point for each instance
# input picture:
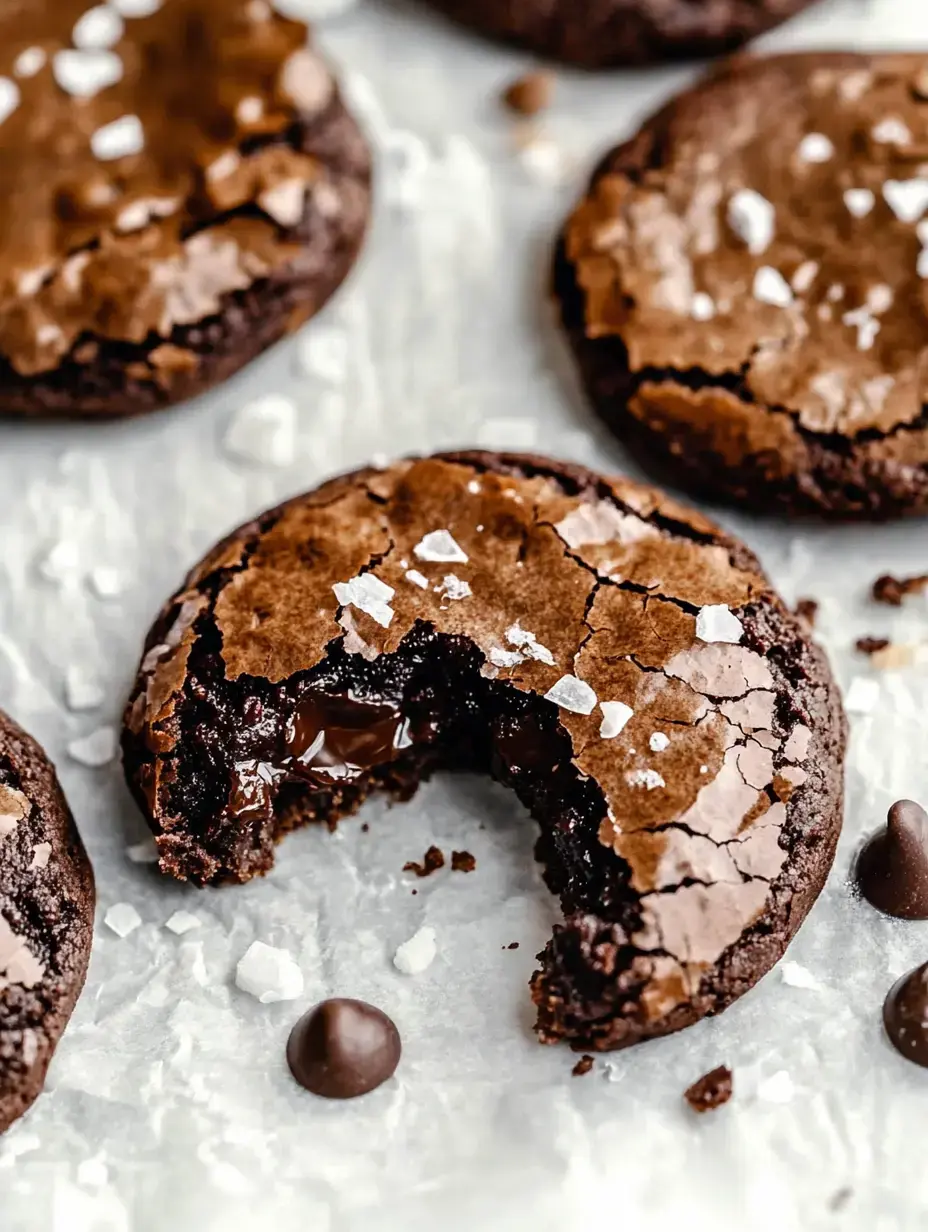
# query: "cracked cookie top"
(667, 742)
(767, 234)
(150, 165)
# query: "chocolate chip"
(892, 868)
(343, 1048)
(905, 1015)
(432, 861)
(711, 1090)
(583, 1066)
(529, 94)
(513, 945)
(462, 862)
(892, 590)
(871, 645)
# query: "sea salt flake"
(30, 62)
(418, 953)
(815, 148)
(182, 922)
(526, 642)
(417, 578)
(81, 690)
(106, 581)
(908, 199)
(891, 131)
(615, 717)
(770, 287)
(572, 694)
(96, 749)
(702, 307)
(859, 201)
(506, 658)
(40, 855)
(752, 218)
(867, 328)
(136, 8)
(143, 853)
(649, 779)
(82, 74)
(439, 546)
(249, 110)
(269, 974)
(122, 919)
(863, 695)
(263, 431)
(285, 202)
(99, 27)
(453, 587)
(322, 351)
(9, 97)
(717, 623)
(368, 594)
(804, 276)
(777, 1089)
(658, 742)
(119, 139)
(797, 976)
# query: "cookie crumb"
(432, 861)
(892, 590)
(530, 94)
(583, 1066)
(513, 945)
(365, 828)
(807, 610)
(462, 862)
(711, 1090)
(871, 645)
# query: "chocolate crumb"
(583, 1066)
(529, 94)
(463, 862)
(711, 1090)
(432, 861)
(892, 590)
(513, 945)
(807, 610)
(871, 645)
(364, 827)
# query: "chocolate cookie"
(598, 33)
(178, 191)
(46, 918)
(610, 655)
(744, 286)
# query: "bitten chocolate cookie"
(178, 191)
(744, 286)
(610, 655)
(46, 918)
(599, 33)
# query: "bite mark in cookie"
(46, 918)
(171, 204)
(300, 668)
(747, 301)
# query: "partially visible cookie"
(613, 657)
(46, 918)
(744, 286)
(599, 33)
(179, 190)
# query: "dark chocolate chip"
(871, 645)
(462, 862)
(343, 1048)
(432, 861)
(583, 1066)
(905, 1015)
(892, 590)
(711, 1090)
(892, 868)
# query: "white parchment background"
(169, 1108)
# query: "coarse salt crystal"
(891, 131)
(30, 62)
(658, 742)
(859, 201)
(143, 853)
(416, 954)
(119, 139)
(99, 27)
(506, 658)
(815, 148)
(572, 694)
(263, 431)
(797, 976)
(440, 547)
(525, 640)
(453, 587)
(702, 307)
(649, 779)
(908, 199)
(269, 974)
(136, 8)
(40, 855)
(82, 74)
(770, 287)
(9, 97)
(122, 919)
(96, 749)
(368, 594)
(752, 218)
(615, 716)
(417, 578)
(717, 623)
(182, 922)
